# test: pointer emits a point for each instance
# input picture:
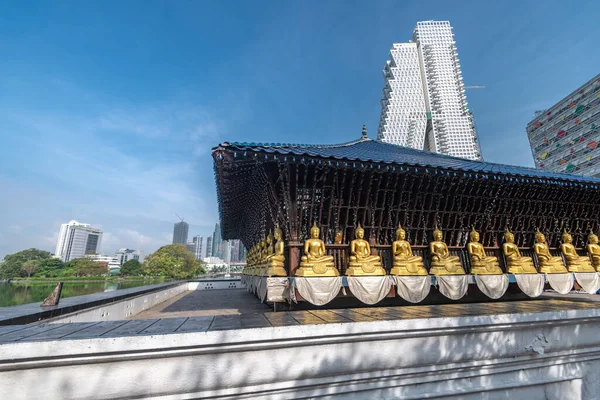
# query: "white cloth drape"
(319, 291)
(493, 286)
(261, 291)
(530, 284)
(413, 288)
(589, 281)
(369, 289)
(562, 283)
(277, 289)
(453, 287)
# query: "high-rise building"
(180, 232)
(565, 137)
(238, 252)
(195, 247)
(208, 247)
(218, 248)
(424, 104)
(198, 248)
(75, 240)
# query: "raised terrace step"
(154, 326)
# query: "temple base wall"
(550, 355)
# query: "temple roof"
(368, 150)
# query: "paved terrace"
(218, 310)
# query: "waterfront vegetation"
(23, 291)
(171, 261)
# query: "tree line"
(172, 261)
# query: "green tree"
(85, 267)
(30, 267)
(13, 263)
(50, 267)
(173, 260)
(131, 268)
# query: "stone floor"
(199, 303)
(242, 312)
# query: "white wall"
(533, 356)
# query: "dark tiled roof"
(369, 150)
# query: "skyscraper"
(424, 104)
(218, 248)
(180, 232)
(209, 246)
(75, 240)
(197, 240)
(565, 137)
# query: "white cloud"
(127, 170)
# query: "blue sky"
(108, 110)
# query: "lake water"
(12, 294)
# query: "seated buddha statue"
(442, 263)
(405, 263)
(575, 262)
(481, 263)
(516, 263)
(315, 262)
(362, 262)
(276, 258)
(593, 250)
(549, 264)
(262, 257)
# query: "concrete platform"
(250, 317)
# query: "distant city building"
(209, 246)
(215, 263)
(100, 258)
(238, 251)
(424, 104)
(218, 247)
(197, 240)
(124, 255)
(565, 137)
(110, 261)
(75, 240)
(180, 232)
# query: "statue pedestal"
(408, 269)
(275, 270)
(364, 269)
(486, 269)
(527, 268)
(446, 270)
(317, 270)
(553, 269)
(581, 268)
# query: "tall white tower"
(75, 240)
(434, 116)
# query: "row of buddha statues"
(268, 257)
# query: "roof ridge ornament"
(364, 132)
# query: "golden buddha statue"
(405, 263)
(315, 262)
(262, 257)
(516, 263)
(362, 263)
(548, 263)
(481, 263)
(276, 258)
(593, 250)
(442, 263)
(575, 263)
